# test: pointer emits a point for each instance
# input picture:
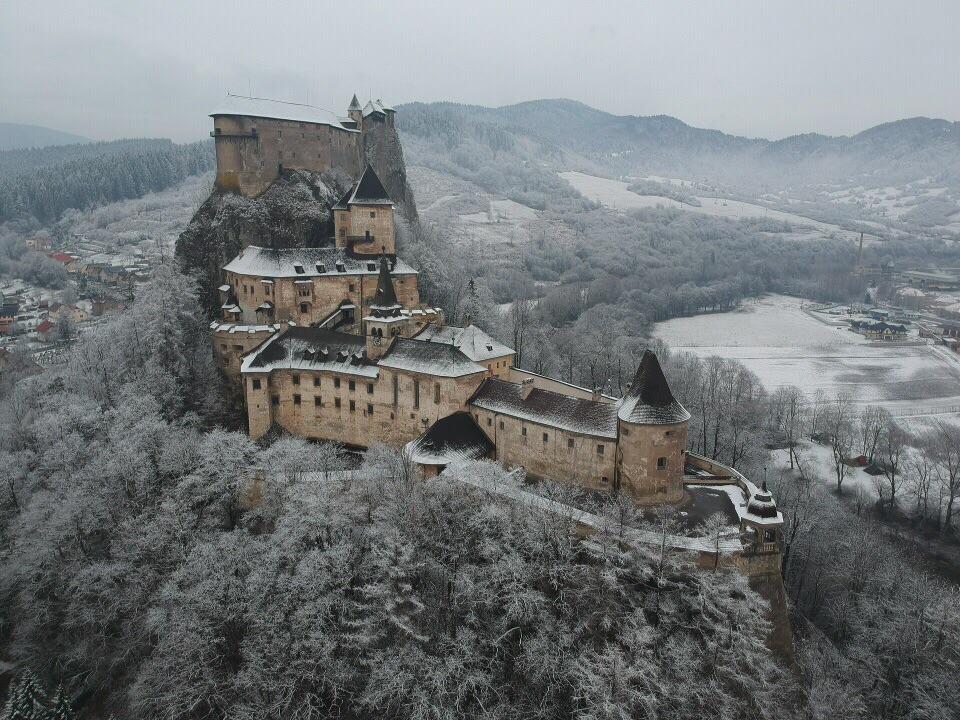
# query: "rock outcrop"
(295, 211)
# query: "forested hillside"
(594, 279)
(40, 184)
(894, 152)
(15, 136)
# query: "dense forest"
(40, 184)
(155, 564)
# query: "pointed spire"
(649, 400)
(386, 297)
(354, 104)
(370, 188)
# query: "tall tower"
(652, 430)
(355, 113)
(386, 319)
(363, 218)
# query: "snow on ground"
(614, 194)
(783, 345)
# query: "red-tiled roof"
(45, 326)
(62, 257)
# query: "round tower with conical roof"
(652, 437)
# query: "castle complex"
(334, 343)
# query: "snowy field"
(776, 340)
(615, 195)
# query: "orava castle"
(334, 343)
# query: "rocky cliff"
(295, 211)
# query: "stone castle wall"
(231, 342)
(322, 294)
(251, 151)
(521, 443)
(353, 225)
(641, 446)
(367, 412)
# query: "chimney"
(526, 386)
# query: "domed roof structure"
(762, 504)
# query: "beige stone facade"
(543, 449)
(651, 460)
(252, 151)
(310, 300)
(365, 228)
(394, 407)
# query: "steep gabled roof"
(454, 438)
(369, 190)
(471, 340)
(311, 348)
(354, 104)
(429, 359)
(547, 408)
(386, 296)
(649, 400)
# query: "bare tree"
(892, 449)
(947, 469)
(840, 427)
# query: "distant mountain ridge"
(902, 150)
(16, 136)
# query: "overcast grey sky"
(121, 68)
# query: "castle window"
(570, 443)
(661, 463)
(668, 433)
(436, 393)
(304, 307)
(353, 406)
(336, 382)
(336, 402)
(352, 287)
(296, 399)
(373, 213)
(416, 393)
(298, 268)
(275, 400)
(353, 385)
(546, 437)
(303, 291)
(626, 431)
(296, 379)
(316, 382)
(256, 383)
(396, 390)
(369, 388)
(600, 449)
(501, 424)
(523, 431)
(343, 232)
(369, 409)
(317, 402)
(604, 480)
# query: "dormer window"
(341, 267)
(321, 268)
(371, 266)
(298, 268)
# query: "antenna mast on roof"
(282, 102)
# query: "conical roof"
(354, 104)
(370, 189)
(386, 297)
(649, 400)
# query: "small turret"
(386, 319)
(355, 112)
